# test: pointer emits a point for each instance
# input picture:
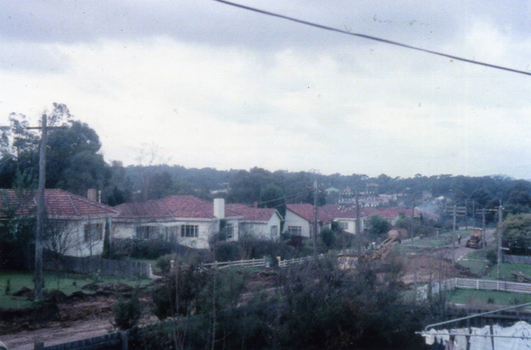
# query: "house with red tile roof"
(76, 225)
(345, 217)
(261, 223)
(300, 217)
(191, 221)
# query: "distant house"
(191, 221)
(76, 225)
(391, 214)
(262, 223)
(300, 217)
(345, 217)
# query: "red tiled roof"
(189, 207)
(341, 212)
(389, 213)
(249, 213)
(306, 211)
(58, 203)
(169, 207)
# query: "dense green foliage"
(378, 225)
(73, 161)
(517, 233)
(314, 306)
(127, 312)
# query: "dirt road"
(461, 250)
(57, 335)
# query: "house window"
(93, 232)
(343, 225)
(229, 230)
(189, 231)
(147, 232)
(169, 233)
(274, 231)
(295, 230)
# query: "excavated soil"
(64, 319)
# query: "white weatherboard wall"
(351, 228)
(72, 242)
(293, 219)
(127, 229)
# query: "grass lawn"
(483, 297)
(429, 242)
(67, 284)
(477, 266)
(506, 269)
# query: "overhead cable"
(386, 41)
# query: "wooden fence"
(517, 259)
(467, 283)
(240, 263)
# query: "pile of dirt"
(426, 268)
(108, 289)
(61, 310)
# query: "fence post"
(125, 342)
(477, 284)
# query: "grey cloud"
(415, 22)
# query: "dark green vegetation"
(310, 306)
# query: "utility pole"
(315, 220)
(41, 210)
(412, 218)
(358, 224)
(500, 227)
(466, 214)
(453, 233)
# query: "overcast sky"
(210, 85)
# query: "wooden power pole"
(41, 210)
(315, 220)
(358, 224)
(500, 228)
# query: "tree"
(272, 196)
(517, 233)
(378, 225)
(73, 159)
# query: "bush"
(492, 257)
(227, 251)
(127, 312)
(164, 263)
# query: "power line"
(385, 41)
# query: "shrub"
(127, 312)
(164, 263)
(492, 257)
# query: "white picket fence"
(240, 263)
(288, 262)
(467, 283)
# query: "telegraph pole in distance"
(41, 211)
(500, 228)
(358, 225)
(453, 233)
(315, 222)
